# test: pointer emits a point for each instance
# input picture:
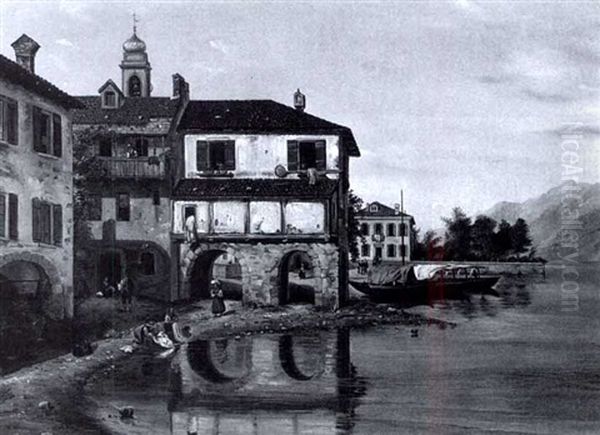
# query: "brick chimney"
(299, 100)
(25, 50)
(181, 88)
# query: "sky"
(456, 103)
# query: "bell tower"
(135, 68)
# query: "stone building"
(387, 233)
(36, 188)
(129, 133)
(266, 184)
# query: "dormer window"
(373, 208)
(110, 99)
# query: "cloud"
(220, 46)
(582, 129)
(543, 97)
(64, 42)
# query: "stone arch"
(207, 253)
(281, 269)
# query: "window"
(94, 207)
(47, 222)
(105, 148)
(229, 217)
(123, 207)
(135, 86)
(147, 263)
(13, 216)
(402, 229)
(391, 230)
(304, 218)
(364, 229)
(391, 251)
(402, 250)
(47, 132)
(2, 215)
(304, 155)
(379, 229)
(141, 147)
(373, 208)
(110, 99)
(265, 217)
(215, 155)
(365, 250)
(156, 197)
(9, 120)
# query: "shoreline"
(47, 397)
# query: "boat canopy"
(396, 274)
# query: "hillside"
(543, 214)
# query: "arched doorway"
(220, 265)
(298, 279)
(110, 266)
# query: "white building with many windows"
(387, 233)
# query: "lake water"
(516, 362)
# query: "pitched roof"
(246, 187)
(134, 111)
(382, 211)
(15, 73)
(258, 116)
(113, 85)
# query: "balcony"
(136, 168)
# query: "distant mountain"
(543, 214)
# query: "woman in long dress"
(218, 302)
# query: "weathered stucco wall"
(30, 174)
(261, 266)
(257, 155)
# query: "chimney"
(25, 50)
(397, 208)
(299, 100)
(181, 88)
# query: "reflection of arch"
(288, 360)
(298, 292)
(200, 359)
(219, 361)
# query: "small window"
(188, 210)
(303, 155)
(123, 207)
(141, 147)
(9, 120)
(373, 208)
(402, 229)
(379, 229)
(391, 230)
(364, 229)
(156, 197)
(135, 86)
(105, 148)
(391, 251)
(365, 250)
(110, 99)
(47, 132)
(215, 155)
(147, 263)
(47, 222)
(94, 207)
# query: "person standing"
(126, 291)
(218, 299)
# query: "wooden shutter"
(57, 224)
(229, 154)
(292, 163)
(201, 155)
(2, 215)
(12, 125)
(37, 130)
(57, 135)
(36, 220)
(320, 155)
(13, 216)
(46, 230)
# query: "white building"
(387, 233)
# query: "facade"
(129, 134)
(387, 233)
(36, 188)
(264, 183)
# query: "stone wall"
(262, 265)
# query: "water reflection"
(266, 385)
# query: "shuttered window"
(391, 251)
(215, 155)
(303, 155)
(13, 216)
(94, 207)
(364, 229)
(391, 230)
(57, 224)
(47, 132)
(47, 222)
(9, 120)
(2, 215)
(57, 135)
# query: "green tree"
(355, 204)
(458, 235)
(502, 240)
(482, 233)
(519, 236)
(429, 247)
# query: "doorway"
(110, 265)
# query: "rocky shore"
(47, 398)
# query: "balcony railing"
(137, 167)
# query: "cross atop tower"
(135, 21)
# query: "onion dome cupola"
(135, 67)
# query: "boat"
(393, 282)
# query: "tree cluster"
(482, 239)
